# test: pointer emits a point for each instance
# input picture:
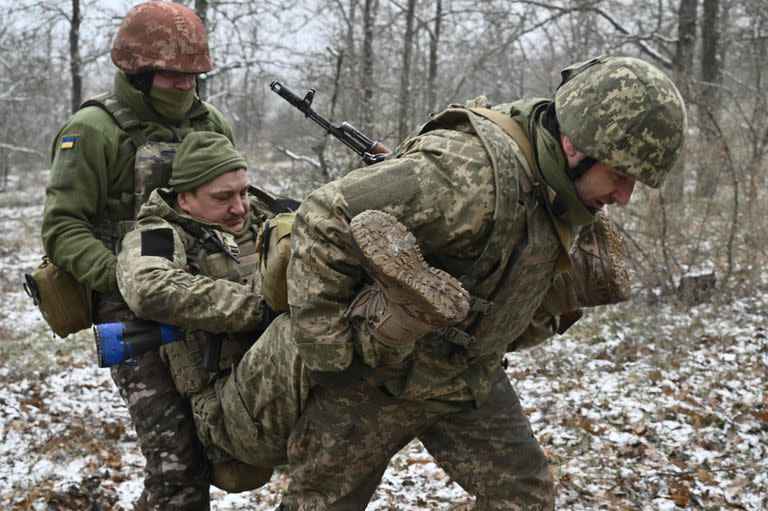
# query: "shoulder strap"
(121, 113)
(513, 129)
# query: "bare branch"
(20, 149)
(297, 157)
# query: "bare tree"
(434, 44)
(708, 100)
(405, 71)
(201, 8)
(367, 69)
(683, 74)
(74, 56)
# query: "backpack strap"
(273, 204)
(515, 131)
(121, 113)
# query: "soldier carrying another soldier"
(206, 257)
(493, 197)
(384, 346)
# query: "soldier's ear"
(183, 200)
(572, 154)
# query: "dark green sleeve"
(76, 190)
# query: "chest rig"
(228, 258)
(525, 249)
(220, 255)
(153, 161)
(507, 281)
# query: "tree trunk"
(683, 72)
(201, 8)
(347, 57)
(434, 42)
(4, 168)
(405, 72)
(709, 101)
(74, 57)
(758, 136)
(366, 78)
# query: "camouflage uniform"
(464, 189)
(245, 408)
(90, 201)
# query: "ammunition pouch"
(65, 303)
(276, 252)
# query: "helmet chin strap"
(143, 82)
(573, 174)
(580, 168)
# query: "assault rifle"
(371, 151)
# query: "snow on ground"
(637, 407)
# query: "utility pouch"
(276, 251)
(65, 303)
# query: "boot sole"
(612, 248)
(391, 256)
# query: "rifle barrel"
(288, 95)
(370, 150)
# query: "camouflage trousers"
(176, 470)
(347, 435)
(250, 412)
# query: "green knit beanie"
(203, 156)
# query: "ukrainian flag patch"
(67, 143)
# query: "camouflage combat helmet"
(624, 112)
(163, 36)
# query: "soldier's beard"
(172, 103)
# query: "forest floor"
(638, 407)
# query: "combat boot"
(598, 275)
(409, 298)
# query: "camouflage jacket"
(92, 182)
(443, 184)
(167, 273)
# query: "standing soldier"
(106, 159)
(494, 197)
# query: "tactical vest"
(204, 354)
(508, 281)
(219, 266)
(153, 162)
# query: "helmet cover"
(624, 112)
(161, 36)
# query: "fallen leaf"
(681, 495)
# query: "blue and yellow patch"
(67, 143)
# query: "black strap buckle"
(31, 289)
(457, 336)
(479, 305)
